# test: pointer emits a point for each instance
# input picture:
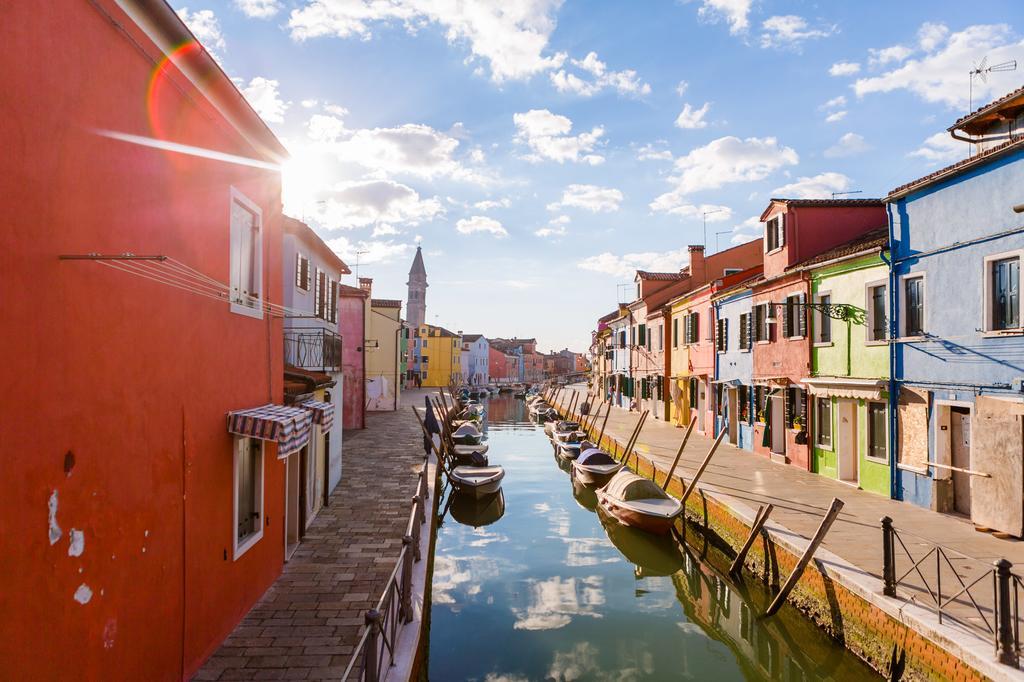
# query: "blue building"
(957, 339)
(733, 381)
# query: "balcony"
(312, 348)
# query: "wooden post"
(635, 437)
(679, 452)
(703, 466)
(755, 530)
(430, 437)
(604, 423)
(819, 535)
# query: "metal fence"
(312, 348)
(375, 652)
(980, 596)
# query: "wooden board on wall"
(913, 428)
(997, 448)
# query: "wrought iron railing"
(312, 348)
(375, 652)
(984, 597)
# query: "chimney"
(366, 284)
(697, 270)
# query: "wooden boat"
(639, 502)
(477, 481)
(652, 555)
(478, 511)
(564, 430)
(467, 434)
(595, 466)
(469, 449)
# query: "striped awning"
(846, 387)
(289, 427)
(323, 413)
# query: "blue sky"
(541, 150)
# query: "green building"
(850, 363)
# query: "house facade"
(734, 363)
(476, 353)
(693, 362)
(957, 337)
(353, 318)
(384, 350)
(437, 356)
(144, 527)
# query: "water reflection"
(536, 585)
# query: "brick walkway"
(309, 621)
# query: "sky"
(541, 151)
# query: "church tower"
(416, 306)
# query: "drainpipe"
(894, 491)
(398, 360)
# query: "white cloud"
(512, 37)
(938, 73)
(372, 251)
(730, 159)
(941, 148)
(834, 103)
(384, 230)
(479, 223)
(649, 153)
(262, 94)
(556, 227)
(259, 9)
(309, 103)
(489, 204)
(820, 186)
(547, 135)
(369, 202)
(206, 28)
(626, 265)
(749, 230)
(835, 116)
(849, 144)
(690, 118)
(681, 88)
(672, 204)
(735, 12)
(885, 55)
(597, 77)
(324, 128)
(554, 602)
(790, 31)
(590, 198)
(844, 69)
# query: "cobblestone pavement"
(801, 499)
(308, 623)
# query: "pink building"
(353, 310)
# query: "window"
(246, 256)
(743, 401)
(822, 322)
(302, 275)
(424, 376)
(632, 336)
(642, 334)
(774, 233)
(877, 437)
(693, 327)
(913, 306)
(320, 295)
(877, 318)
(1003, 293)
(796, 407)
(761, 330)
(760, 404)
(661, 337)
(424, 343)
(823, 421)
(745, 331)
(622, 339)
(248, 462)
(332, 306)
(424, 359)
(675, 332)
(722, 335)
(794, 321)
(730, 271)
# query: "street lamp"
(837, 311)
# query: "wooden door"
(960, 449)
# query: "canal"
(535, 584)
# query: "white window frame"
(779, 228)
(869, 318)
(249, 205)
(867, 431)
(903, 306)
(831, 447)
(819, 317)
(304, 290)
(986, 286)
(252, 539)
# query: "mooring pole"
(679, 452)
(816, 540)
(604, 423)
(888, 558)
(703, 466)
(1006, 648)
(635, 437)
(759, 520)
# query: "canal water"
(534, 584)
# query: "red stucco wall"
(127, 378)
(352, 327)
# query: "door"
(701, 404)
(846, 441)
(733, 411)
(293, 504)
(960, 449)
(778, 425)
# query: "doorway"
(960, 452)
(778, 425)
(701, 404)
(294, 504)
(846, 441)
(731, 416)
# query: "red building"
(353, 311)
(143, 529)
(795, 230)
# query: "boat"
(595, 466)
(477, 481)
(563, 429)
(653, 555)
(478, 511)
(467, 434)
(639, 502)
(584, 495)
(469, 449)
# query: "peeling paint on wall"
(83, 594)
(76, 542)
(55, 531)
(109, 633)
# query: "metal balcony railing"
(312, 348)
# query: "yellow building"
(437, 356)
(384, 354)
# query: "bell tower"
(416, 306)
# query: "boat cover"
(595, 456)
(629, 487)
(466, 430)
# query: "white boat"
(467, 434)
(639, 502)
(466, 450)
(477, 481)
(595, 466)
(565, 430)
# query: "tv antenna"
(358, 254)
(982, 70)
(843, 194)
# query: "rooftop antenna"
(706, 214)
(982, 70)
(358, 254)
(842, 194)
(719, 234)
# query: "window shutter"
(317, 293)
(786, 308)
(334, 300)
(803, 410)
(307, 275)
(686, 329)
(641, 336)
(725, 334)
(788, 398)
(696, 327)
(750, 329)
(298, 269)
(801, 315)
(782, 228)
